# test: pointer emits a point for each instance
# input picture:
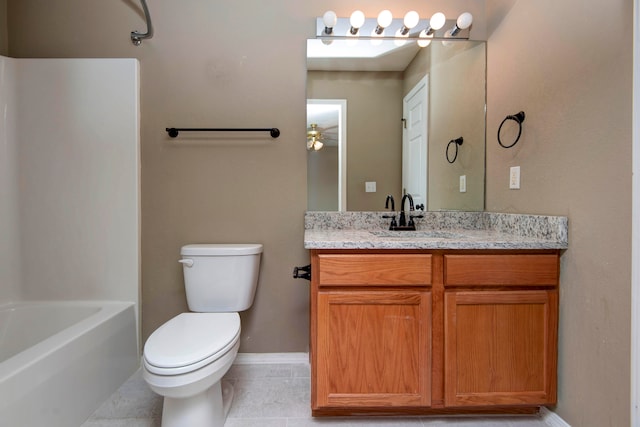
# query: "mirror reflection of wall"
(374, 129)
(374, 98)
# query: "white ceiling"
(359, 55)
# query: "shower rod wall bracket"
(137, 37)
(174, 132)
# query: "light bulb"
(464, 21)
(400, 39)
(356, 21)
(384, 19)
(411, 19)
(424, 39)
(437, 20)
(329, 19)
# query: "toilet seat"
(190, 341)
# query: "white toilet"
(184, 359)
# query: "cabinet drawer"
(501, 270)
(374, 269)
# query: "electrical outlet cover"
(370, 186)
(514, 178)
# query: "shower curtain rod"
(137, 37)
(173, 132)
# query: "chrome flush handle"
(186, 262)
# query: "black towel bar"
(173, 132)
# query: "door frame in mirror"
(341, 106)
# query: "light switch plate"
(463, 183)
(514, 178)
(370, 186)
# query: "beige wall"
(223, 64)
(322, 179)
(575, 155)
(374, 132)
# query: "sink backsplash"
(533, 226)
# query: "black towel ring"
(518, 118)
(456, 143)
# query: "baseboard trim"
(270, 358)
(552, 419)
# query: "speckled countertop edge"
(473, 230)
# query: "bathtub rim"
(30, 356)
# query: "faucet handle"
(411, 217)
(393, 221)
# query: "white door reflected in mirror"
(415, 142)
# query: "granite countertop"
(438, 230)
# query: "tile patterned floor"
(269, 395)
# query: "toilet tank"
(220, 277)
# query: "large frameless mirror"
(404, 109)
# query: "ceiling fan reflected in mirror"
(314, 138)
(319, 135)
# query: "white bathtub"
(60, 360)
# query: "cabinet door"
(500, 348)
(373, 349)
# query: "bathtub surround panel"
(69, 221)
(9, 217)
(78, 167)
(69, 181)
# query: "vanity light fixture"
(385, 27)
(356, 20)
(329, 19)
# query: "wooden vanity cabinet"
(371, 331)
(501, 320)
(426, 332)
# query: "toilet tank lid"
(221, 249)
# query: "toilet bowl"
(185, 359)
